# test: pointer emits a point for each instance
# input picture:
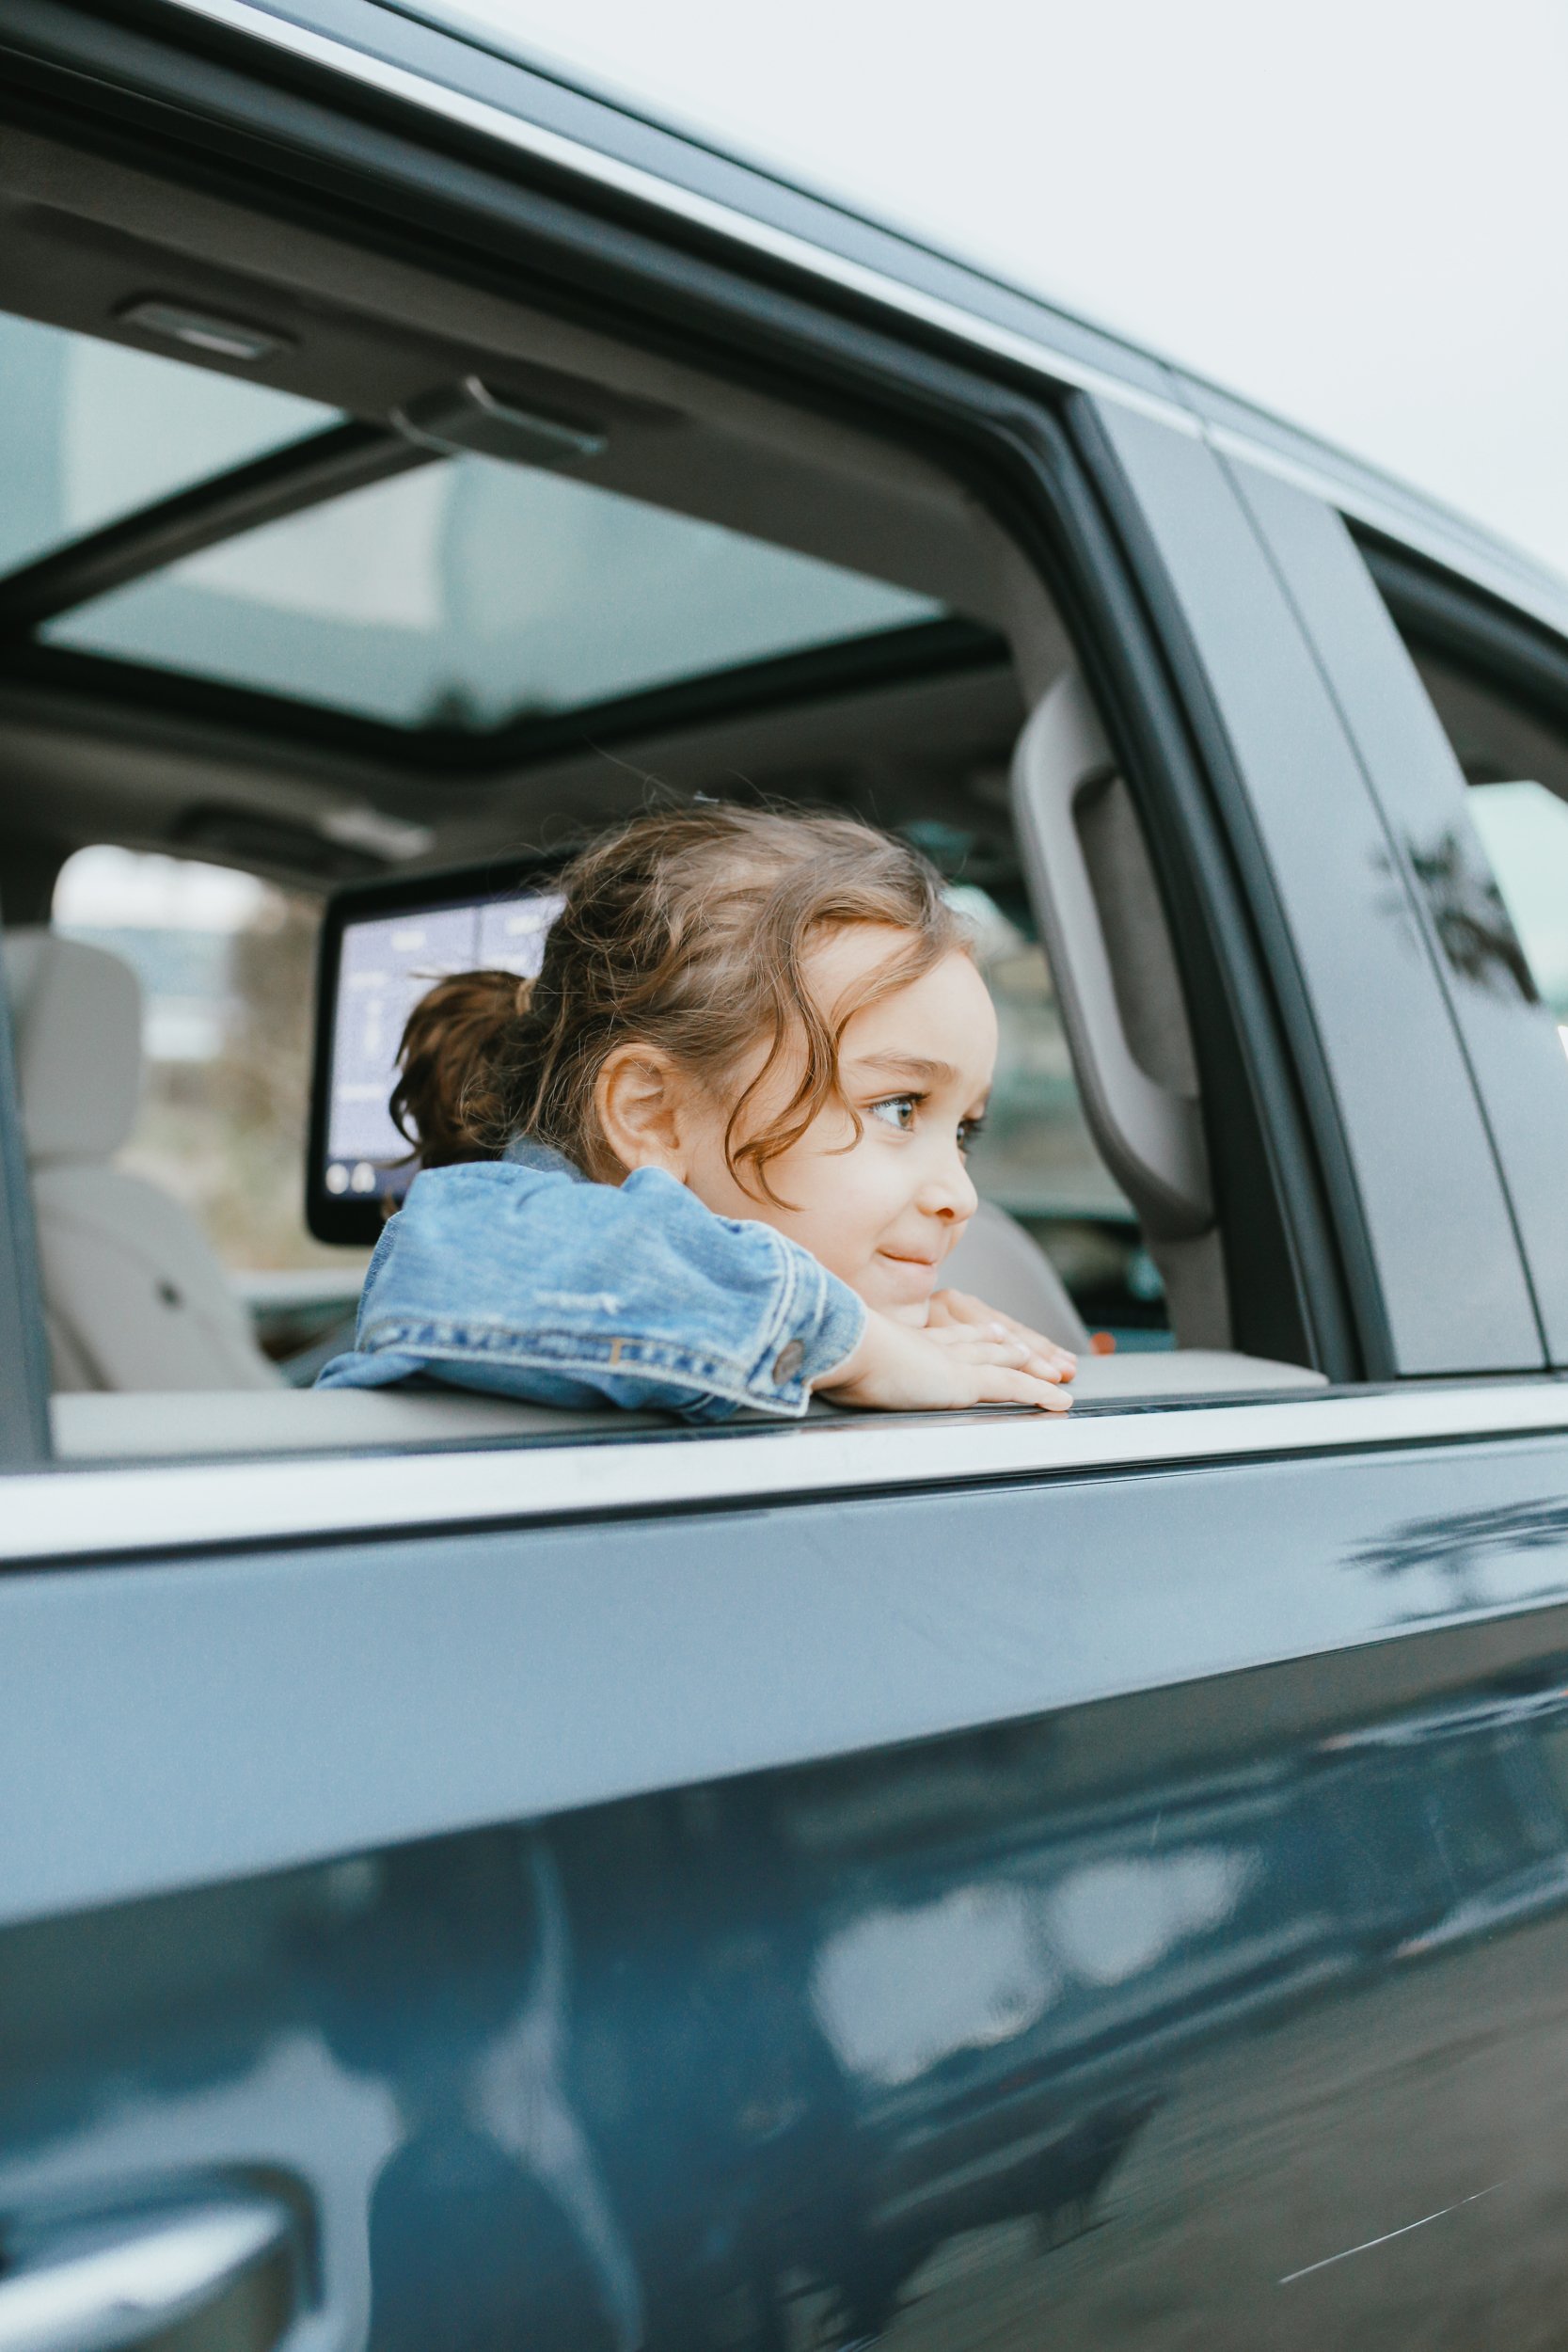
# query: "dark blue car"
(477, 1878)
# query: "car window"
(473, 593)
(1524, 829)
(435, 593)
(1036, 1157)
(226, 967)
(95, 430)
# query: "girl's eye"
(970, 1131)
(897, 1110)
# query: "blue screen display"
(386, 964)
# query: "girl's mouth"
(915, 1277)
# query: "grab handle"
(229, 2262)
(1151, 1137)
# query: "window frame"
(995, 405)
(24, 1436)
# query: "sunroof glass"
(471, 593)
(95, 430)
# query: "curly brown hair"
(686, 929)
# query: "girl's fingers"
(964, 1338)
(977, 1347)
(996, 1346)
(1038, 1342)
(973, 1314)
(999, 1385)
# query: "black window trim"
(106, 688)
(26, 1442)
(1467, 625)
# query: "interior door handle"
(1150, 1135)
(221, 2275)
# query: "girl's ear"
(639, 1099)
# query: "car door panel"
(175, 1721)
(1096, 1905)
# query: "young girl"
(713, 1157)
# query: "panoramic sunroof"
(472, 593)
(95, 431)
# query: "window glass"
(226, 967)
(1036, 1157)
(94, 430)
(473, 592)
(1524, 829)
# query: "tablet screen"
(383, 963)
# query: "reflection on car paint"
(864, 2050)
(1457, 1547)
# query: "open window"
(344, 576)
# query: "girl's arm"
(535, 1285)
(532, 1284)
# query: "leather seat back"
(134, 1295)
(996, 1261)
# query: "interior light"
(201, 330)
(1562, 1032)
(362, 828)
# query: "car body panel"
(178, 1721)
(1149, 2011)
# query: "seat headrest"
(76, 1023)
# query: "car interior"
(334, 573)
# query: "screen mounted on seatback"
(382, 947)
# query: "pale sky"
(1353, 213)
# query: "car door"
(949, 1883)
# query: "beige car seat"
(134, 1296)
(996, 1261)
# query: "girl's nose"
(949, 1192)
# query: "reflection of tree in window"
(1525, 830)
(1470, 919)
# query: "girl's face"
(882, 1211)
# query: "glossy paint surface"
(1224, 2002)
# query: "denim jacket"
(520, 1277)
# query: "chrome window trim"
(70, 1512)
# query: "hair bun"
(445, 1101)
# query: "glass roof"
(472, 592)
(94, 430)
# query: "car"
(478, 1875)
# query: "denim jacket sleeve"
(530, 1284)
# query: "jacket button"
(787, 1362)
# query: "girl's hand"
(901, 1370)
(956, 1310)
